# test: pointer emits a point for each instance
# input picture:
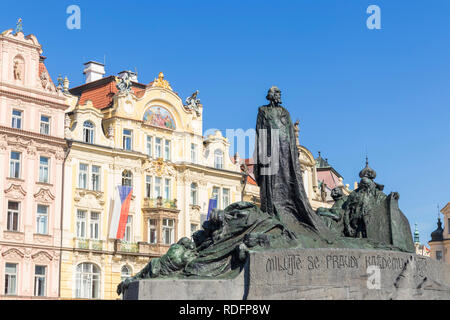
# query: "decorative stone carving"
(42, 257)
(15, 191)
(193, 103)
(44, 195)
(159, 167)
(13, 253)
(89, 199)
(18, 70)
(160, 82)
(123, 83)
(45, 81)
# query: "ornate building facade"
(122, 132)
(32, 151)
(440, 238)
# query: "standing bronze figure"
(277, 168)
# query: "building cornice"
(32, 95)
(33, 135)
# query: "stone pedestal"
(312, 274)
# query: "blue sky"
(353, 89)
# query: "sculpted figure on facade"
(17, 70)
(193, 103)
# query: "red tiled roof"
(250, 180)
(43, 68)
(331, 180)
(102, 91)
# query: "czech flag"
(121, 208)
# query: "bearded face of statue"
(336, 193)
(274, 96)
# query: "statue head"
(366, 184)
(186, 243)
(336, 193)
(274, 96)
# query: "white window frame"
(42, 217)
(167, 149)
(37, 279)
(81, 224)
(158, 187)
(88, 132)
(148, 186)
(125, 275)
(167, 189)
(44, 170)
(158, 148)
(85, 281)
(217, 197)
(170, 229)
(153, 231)
(127, 175)
(218, 159)
(83, 176)
(94, 225)
(15, 165)
(17, 120)
(193, 153)
(10, 217)
(127, 138)
(8, 277)
(149, 145)
(225, 198)
(128, 235)
(96, 178)
(194, 194)
(44, 127)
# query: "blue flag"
(212, 205)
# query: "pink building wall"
(28, 88)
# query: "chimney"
(93, 71)
(133, 75)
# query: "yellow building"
(440, 238)
(122, 132)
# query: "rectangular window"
(215, 195)
(128, 229)
(149, 147)
(96, 178)
(168, 231)
(438, 255)
(167, 189)
(225, 198)
(193, 194)
(45, 125)
(14, 165)
(127, 139)
(148, 186)
(158, 148)
(40, 273)
(82, 176)
(167, 150)
(94, 225)
(10, 278)
(42, 219)
(152, 231)
(193, 153)
(17, 119)
(43, 169)
(81, 224)
(158, 187)
(12, 223)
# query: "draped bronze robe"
(280, 179)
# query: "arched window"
(87, 281)
(193, 194)
(127, 178)
(88, 132)
(218, 159)
(125, 272)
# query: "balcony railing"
(89, 244)
(128, 247)
(160, 203)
